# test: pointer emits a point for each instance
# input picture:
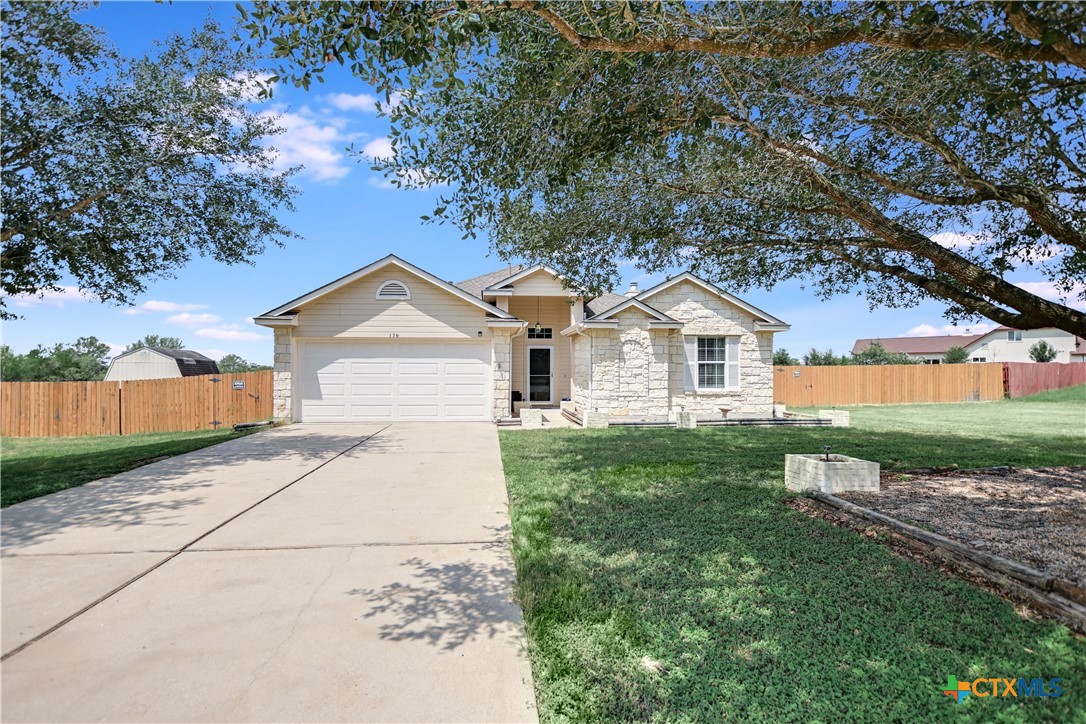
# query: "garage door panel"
(371, 368)
(369, 389)
(378, 380)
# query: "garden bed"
(1033, 516)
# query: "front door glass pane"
(539, 375)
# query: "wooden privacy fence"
(1028, 378)
(886, 384)
(69, 409)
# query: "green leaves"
(117, 170)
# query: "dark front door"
(539, 374)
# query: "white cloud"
(347, 102)
(1049, 290)
(928, 330)
(215, 354)
(231, 332)
(186, 319)
(155, 305)
(51, 298)
(315, 143)
(954, 240)
(114, 348)
(379, 149)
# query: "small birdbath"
(830, 473)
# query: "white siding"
(553, 312)
(997, 348)
(354, 311)
(541, 284)
(142, 364)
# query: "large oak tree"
(117, 170)
(908, 150)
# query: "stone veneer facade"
(282, 401)
(636, 370)
(501, 368)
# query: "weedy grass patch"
(663, 578)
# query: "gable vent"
(393, 290)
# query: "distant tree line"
(874, 354)
(87, 359)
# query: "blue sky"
(347, 217)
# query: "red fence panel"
(1029, 378)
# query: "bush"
(955, 356)
(1042, 352)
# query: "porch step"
(573, 417)
(509, 422)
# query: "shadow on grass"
(675, 545)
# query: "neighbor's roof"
(919, 345)
(200, 364)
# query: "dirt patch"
(1033, 516)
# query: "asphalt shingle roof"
(200, 365)
(476, 285)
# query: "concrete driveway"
(309, 573)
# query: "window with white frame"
(1014, 335)
(393, 289)
(715, 362)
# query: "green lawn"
(30, 467)
(1061, 412)
(676, 545)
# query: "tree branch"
(940, 40)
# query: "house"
(392, 341)
(1002, 344)
(152, 363)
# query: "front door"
(540, 374)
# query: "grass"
(31, 467)
(1062, 412)
(677, 545)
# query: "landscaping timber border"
(1043, 592)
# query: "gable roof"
(767, 319)
(476, 285)
(919, 345)
(375, 266)
(602, 303)
(637, 303)
(200, 364)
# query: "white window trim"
(690, 344)
(1014, 335)
(381, 291)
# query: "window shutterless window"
(1014, 335)
(542, 333)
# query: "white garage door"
(394, 380)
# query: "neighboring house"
(152, 363)
(1002, 344)
(391, 341)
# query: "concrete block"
(837, 418)
(779, 410)
(840, 474)
(596, 419)
(531, 419)
(687, 420)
